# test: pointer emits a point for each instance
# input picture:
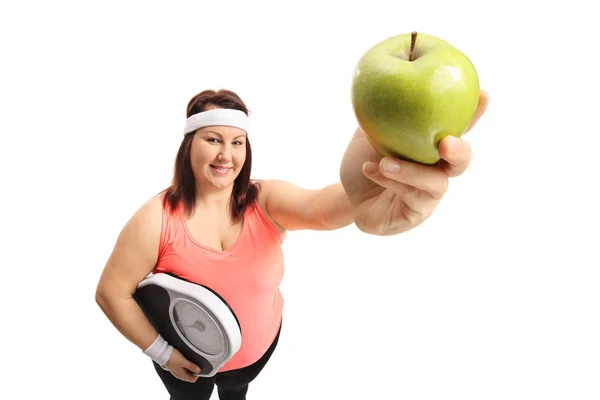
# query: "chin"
(223, 185)
(222, 182)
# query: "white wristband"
(159, 351)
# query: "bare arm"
(295, 208)
(133, 258)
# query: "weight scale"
(192, 318)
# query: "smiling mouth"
(219, 169)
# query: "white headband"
(219, 116)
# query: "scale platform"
(192, 318)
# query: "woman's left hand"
(390, 196)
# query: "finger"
(190, 369)
(430, 180)
(416, 203)
(373, 172)
(484, 99)
(186, 375)
(456, 155)
(193, 368)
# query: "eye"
(212, 140)
(238, 143)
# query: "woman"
(214, 226)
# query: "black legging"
(232, 384)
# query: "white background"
(494, 297)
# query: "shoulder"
(150, 212)
(268, 190)
(146, 221)
(143, 229)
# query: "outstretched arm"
(295, 208)
(379, 200)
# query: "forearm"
(129, 319)
(333, 208)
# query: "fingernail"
(390, 166)
(370, 167)
(452, 144)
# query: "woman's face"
(217, 155)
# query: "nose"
(224, 154)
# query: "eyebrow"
(217, 133)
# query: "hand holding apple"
(410, 91)
(390, 195)
(414, 97)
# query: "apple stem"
(413, 41)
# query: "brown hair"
(183, 186)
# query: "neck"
(213, 198)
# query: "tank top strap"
(170, 224)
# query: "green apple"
(411, 90)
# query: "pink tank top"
(246, 275)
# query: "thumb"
(193, 367)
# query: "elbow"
(338, 224)
(110, 297)
(104, 297)
(101, 298)
(332, 222)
